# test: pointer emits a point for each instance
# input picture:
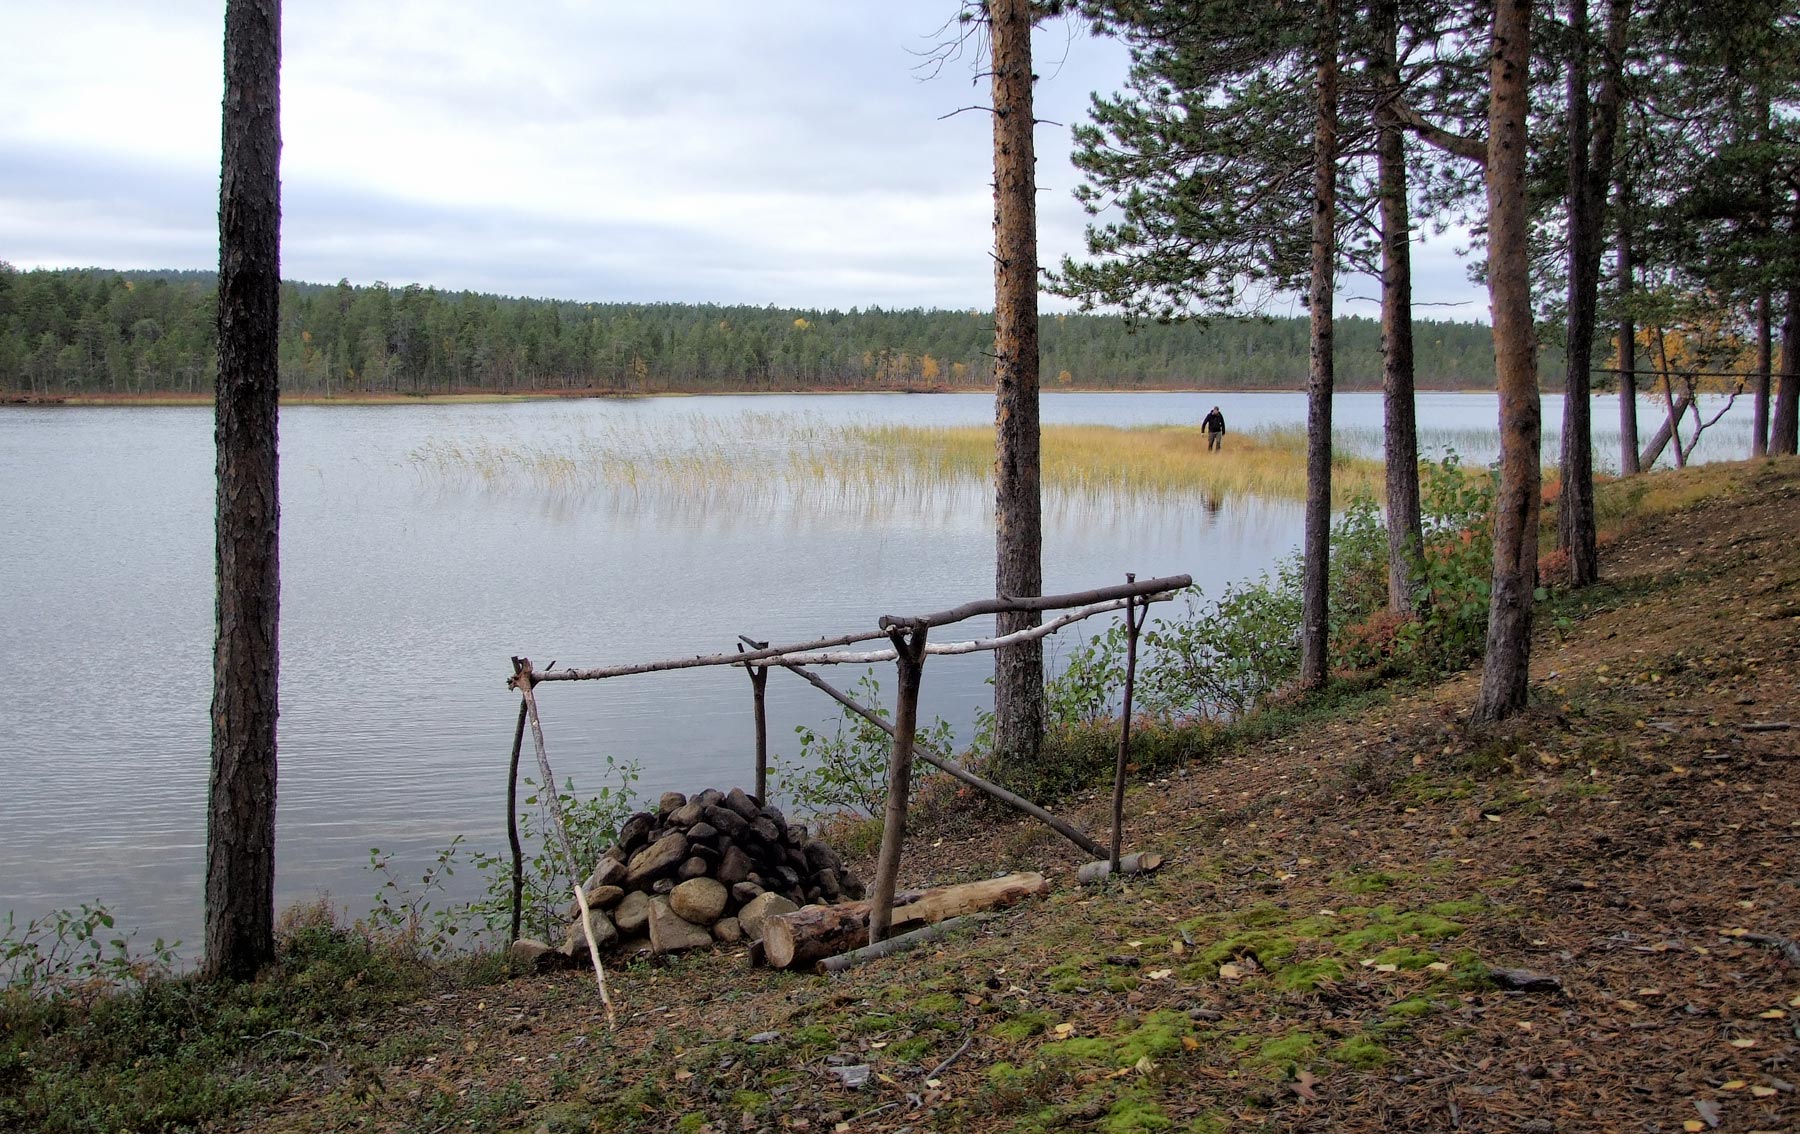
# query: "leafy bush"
(67, 951)
(847, 769)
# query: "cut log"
(796, 940)
(1143, 862)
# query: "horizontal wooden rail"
(1045, 602)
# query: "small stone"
(531, 956)
(709, 797)
(686, 815)
(796, 858)
(829, 886)
(734, 867)
(728, 930)
(855, 1076)
(759, 910)
(633, 912)
(604, 897)
(820, 856)
(702, 830)
(694, 867)
(853, 887)
(669, 802)
(763, 1037)
(766, 829)
(664, 886)
(671, 933)
(737, 801)
(774, 814)
(744, 893)
(575, 941)
(699, 900)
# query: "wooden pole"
(911, 663)
(512, 825)
(1047, 602)
(522, 682)
(759, 680)
(1017, 803)
(1134, 623)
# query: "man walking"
(1214, 424)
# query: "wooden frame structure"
(908, 648)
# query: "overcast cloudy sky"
(785, 151)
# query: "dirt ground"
(1325, 948)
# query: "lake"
(424, 545)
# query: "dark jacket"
(1214, 422)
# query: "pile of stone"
(708, 868)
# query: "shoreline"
(477, 397)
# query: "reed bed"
(702, 466)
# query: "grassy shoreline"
(483, 396)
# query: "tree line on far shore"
(92, 331)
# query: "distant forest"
(74, 332)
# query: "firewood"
(797, 939)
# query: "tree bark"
(1628, 428)
(1400, 434)
(1506, 669)
(240, 832)
(1784, 429)
(1315, 590)
(1589, 175)
(1765, 368)
(1018, 520)
(793, 940)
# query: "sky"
(791, 152)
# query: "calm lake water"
(410, 576)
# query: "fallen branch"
(957, 1054)
(898, 944)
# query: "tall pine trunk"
(1506, 669)
(1018, 521)
(1589, 175)
(1628, 424)
(1765, 368)
(240, 833)
(1784, 429)
(1400, 435)
(1315, 597)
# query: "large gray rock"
(659, 858)
(671, 933)
(820, 856)
(760, 909)
(699, 900)
(669, 802)
(610, 872)
(743, 893)
(575, 941)
(734, 867)
(633, 912)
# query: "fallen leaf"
(1490, 817)
(1160, 974)
(1762, 1092)
(1229, 971)
(1734, 1085)
(1387, 968)
(1773, 1014)
(1735, 931)
(1743, 1042)
(1439, 966)
(1693, 1126)
(1189, 1043)
(934, 1083)
(1303, 1085)
(1065, 1030)
(1709, 1110)
(1144, 1065)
